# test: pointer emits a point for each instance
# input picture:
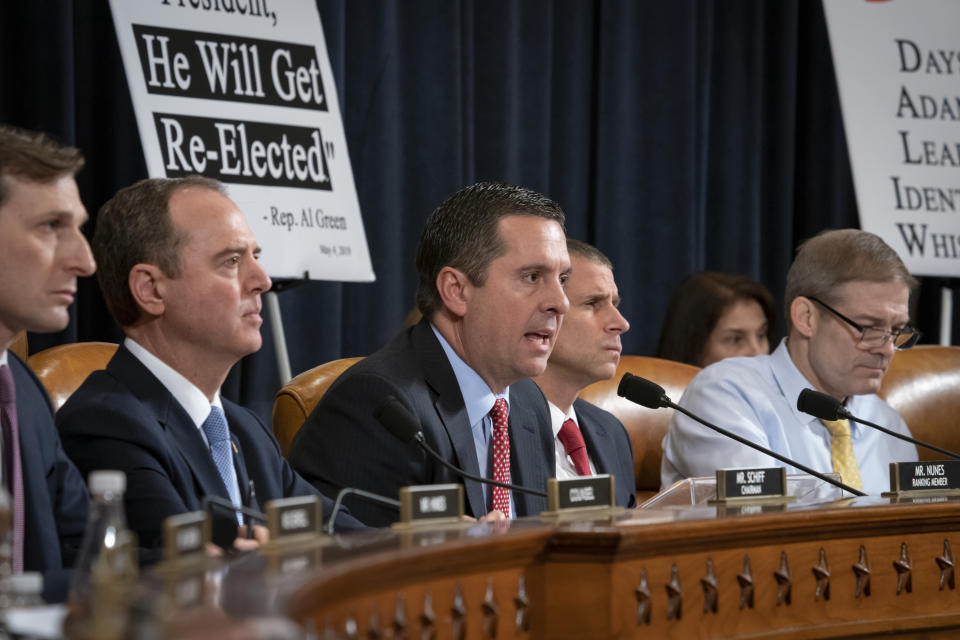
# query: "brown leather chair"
(646, 427)
(19, 345)
(62, 369)
(923, 385)
(297, 399)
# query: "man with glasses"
(847, 307)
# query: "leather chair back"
(646, 427)
(297, 399)
(19, 345)
(923, 385)
(62, 369)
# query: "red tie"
(576, 448)
(501, 455)
(13, 474)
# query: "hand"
(261, 535)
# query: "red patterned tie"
(13, 474)
(501, 455)
(576, 448)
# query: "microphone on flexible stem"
(346, 491)
(404, 426)
(825, 407)
(217, 501)
(223, 533)
(651, 395)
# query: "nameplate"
(751, 483)
(185, 536)
(431, 503)
(935, 475)
(584, 492)
(294, 519)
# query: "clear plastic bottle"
(26, 589)
(106, 571)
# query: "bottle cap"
(107, 481)
(29, 582)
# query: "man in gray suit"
(492, 262)
(588, 440)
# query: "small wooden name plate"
(761, 484)
(585, 492)
(938, 476)
(294, 519)
(185, 536)
(431, 504)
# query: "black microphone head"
(397, 419)
(642, 391)
(820, 405)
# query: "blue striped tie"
(218, 435)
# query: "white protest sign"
(242, 91)
(898, 72)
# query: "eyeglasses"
(872, 337)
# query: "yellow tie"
(841, 452)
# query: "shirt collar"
(3, 357)
(477, 396)
(189, 396)
(792, 382)
(558, 417)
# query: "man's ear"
(803, 316)
(146, 283)
(455, 290)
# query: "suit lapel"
(450, 408)
(530, 443)
(598, 441)
(183, 436)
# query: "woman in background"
(715, 315)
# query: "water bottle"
(106, 571)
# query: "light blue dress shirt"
(478, 400)
(757, 398)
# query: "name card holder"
(929, 478)
(183, 570)
(185, 537)
(294, 522)
(576, 497)
(760, 485)
(430, 505)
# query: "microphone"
(346, 491)
(404, 426)
(224, 528)
(651, 395)
(825, 407)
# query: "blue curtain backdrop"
(677, 134)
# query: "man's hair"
(589, 252)
(34, 156)
(135, 227)
(834, 257)
(698, 303)
(462, 233)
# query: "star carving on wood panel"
(373, 627)
(491, 611)
(458, 613)
(862, 571)
(709, 583)
(400, 618)
(822, 574)
(522, 603)
(784, 581)
(904, 570)
(644, 602)
(350, 627)
(945, 562)
(674, 595)
(745, 579)
(428, 629)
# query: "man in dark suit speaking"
(588, 440)
(180, 273)
(42, 252)
(492, 262)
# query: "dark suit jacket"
(609, 448)
(124, 418)
(342, 445)
(54, 492)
